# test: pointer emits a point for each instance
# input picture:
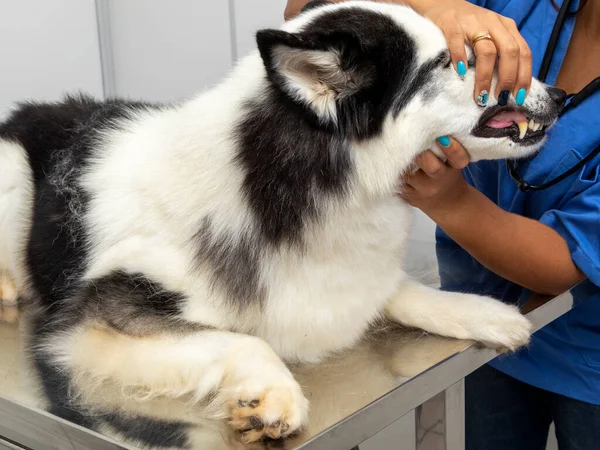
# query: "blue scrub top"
(564, 357)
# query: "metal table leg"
(440, 422)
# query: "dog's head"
(374, 71)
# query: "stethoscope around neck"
(573, 101)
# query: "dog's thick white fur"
(157, 177)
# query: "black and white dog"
(191, 249)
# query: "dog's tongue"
(506, 119)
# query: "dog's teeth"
(538, 126)
(532, 125)
(522, 129)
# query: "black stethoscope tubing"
(574, 100)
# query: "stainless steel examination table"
(400, 389)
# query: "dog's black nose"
(557, 95)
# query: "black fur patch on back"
(234, 264)
(59, 139)
(135, 305)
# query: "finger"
(418, 182)
(486, 56)
(455, 36)
(430, 164)
(509, 52)
(406, 192)
(458, 157)
(524, 72)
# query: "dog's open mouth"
(506, 121)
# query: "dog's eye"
(472, 61)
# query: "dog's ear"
(316, 70)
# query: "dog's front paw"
(9, 311)
(502, 327)
(271, 410)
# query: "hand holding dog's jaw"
(435, 188)
(437, 185)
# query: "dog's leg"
(462, 316)
(243, 379)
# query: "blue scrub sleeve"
(515, 9)
(578, 222)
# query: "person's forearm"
(294, 7)
(519, 249)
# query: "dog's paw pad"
(251, 403)
(276, 414)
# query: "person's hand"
(461, 22)
(436, 185)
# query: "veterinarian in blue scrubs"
(495, 239)
(511, 402)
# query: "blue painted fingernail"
(482, 98)
(444, 141)
(503, 98)
(461, 68)
(520, 98)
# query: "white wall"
(165, 50)
(423, 228)
(47, 48)
(251, 16)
